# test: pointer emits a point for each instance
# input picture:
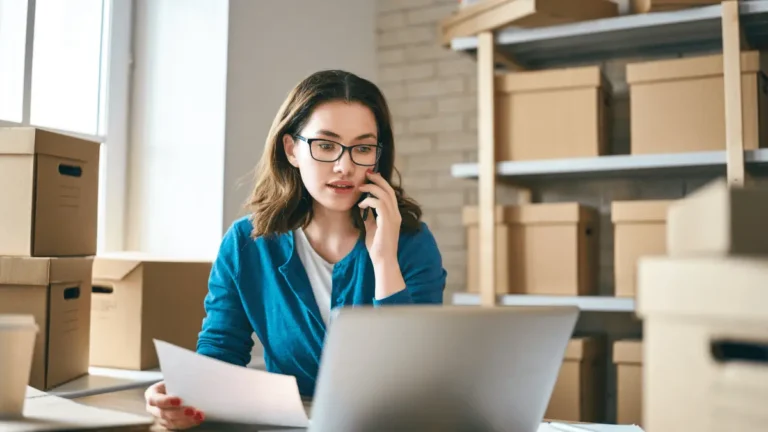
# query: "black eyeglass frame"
(344, 148)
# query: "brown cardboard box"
(678, 105)
(552, 114)
(137, 298)
(628, 358)
(51, 210)
(579, 392)
(547, 249)
(645, 6)
(719, 220)
(57, 292)
(639, 229)
(488, 15)
(705, 335)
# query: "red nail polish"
(370, 170)
(199, 416)
(189, 412)
(175, 402)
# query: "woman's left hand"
(383, 231)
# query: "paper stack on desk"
(230, 393)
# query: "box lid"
(551, 79)
(539, 213)
(33, 271)
(628, 351)
(640, 211)
(584, 348)
(694, 67)
(731, 288)
(30, 141)
(117, 266)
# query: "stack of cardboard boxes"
(705, 314)
(91, 310)
(48, 214)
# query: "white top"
(319, 271)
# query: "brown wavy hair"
(279, 202)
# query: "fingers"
(378, 180)
(163, 401)
(379, 194)
(177, 418)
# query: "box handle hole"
(72, 293)
(70, 170)
(588, 231)
(724, 351)
(103, 290)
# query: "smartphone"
(367, 194)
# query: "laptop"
(440, 368)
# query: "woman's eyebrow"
(335, 135)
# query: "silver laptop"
(440, 368)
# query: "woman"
(305, 248)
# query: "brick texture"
(432, 92)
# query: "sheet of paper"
(52, 413)
(229, 393)
(586, 427)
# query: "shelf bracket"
(734, 119)
(486, 167)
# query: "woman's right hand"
(169, 411)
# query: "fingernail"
(189, 412)
(175, 402)
(370, 170)
(199, 416)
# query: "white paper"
(587, 427)
(230, 393)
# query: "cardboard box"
(645, 6)
(719, 220)
(639, 229)
(552, 114)
(137, 298)
(628, 358)
(678, 105)
(579, 393)
(489, 15)
(705, 335)
(57, 292)
(547, 249)
(51, 210)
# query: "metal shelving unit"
(642, 35)
(585, 303)
(710, 163)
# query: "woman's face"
(334, 182)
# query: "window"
(64, 65)
(67, 64)
(13, 32)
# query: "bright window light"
(66, 67)
(13, 33)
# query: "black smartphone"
(367, 194)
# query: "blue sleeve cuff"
(398, 298)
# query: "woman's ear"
(289, 145)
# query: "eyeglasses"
(323, 150)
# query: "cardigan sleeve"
(226, 331)
(422, 269)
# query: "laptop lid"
(451, 368)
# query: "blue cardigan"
(259, 285)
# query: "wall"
(272, 47)
(176, 150)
